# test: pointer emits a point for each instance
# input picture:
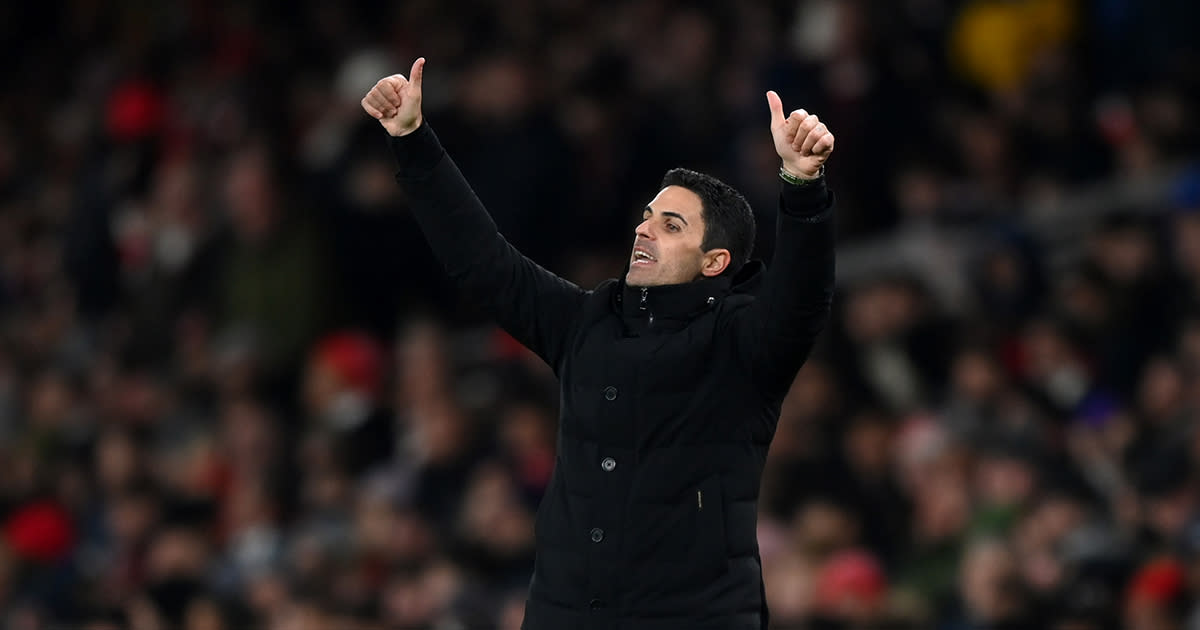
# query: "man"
(671, 378)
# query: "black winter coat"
(670, 398)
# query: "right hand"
(396, 102)
(801, 139)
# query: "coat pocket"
(679, 547)
(709, 553)
(684, 530)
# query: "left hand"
(801, 139)
(396, 101)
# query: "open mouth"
(642, 257)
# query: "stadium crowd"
(236, 392)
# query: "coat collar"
(684, 301)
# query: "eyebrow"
(668, 213)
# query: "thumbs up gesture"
(801, 139)
(396, 101)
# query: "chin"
(642, 281)
(635, 279)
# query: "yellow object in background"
(994, 43)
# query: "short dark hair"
(728, 219)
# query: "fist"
(801, 139)
(396, 101)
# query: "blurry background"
(236, 392)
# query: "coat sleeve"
(776, 332)
(533, 305)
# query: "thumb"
(417, 73)
(776, 106)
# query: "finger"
(789, 130)
(807, 125)
(824, 145)
(371, 109)
(810, 140)
(381, 103)
(391, 94)
(776, 105)
(393, 87)
(384, 87)
(792, 125)
(797, 117)
(417, 73)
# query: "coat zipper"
(645, 307)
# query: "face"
(666, 245)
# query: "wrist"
(399, 133)
(799, 177)
(797, 171)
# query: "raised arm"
(776, 333)
(532, 304)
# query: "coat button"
(597, 534)
(596, 604)
(608, 464)
(610, 393)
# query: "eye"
(672, 227)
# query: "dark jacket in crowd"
(670, 398)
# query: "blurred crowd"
(237, 392)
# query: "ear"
(715, 261)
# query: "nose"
(643, 230)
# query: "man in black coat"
(671, 378)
